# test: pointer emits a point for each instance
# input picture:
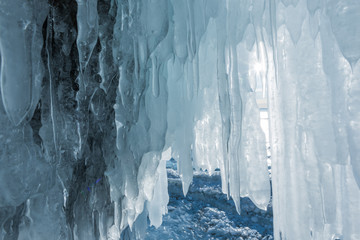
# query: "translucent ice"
(111, 89)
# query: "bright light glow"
(258, 68)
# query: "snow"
(206, 213)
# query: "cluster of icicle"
(314, 95)
(113, 88)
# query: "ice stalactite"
(124, 81)
(110, 89)
(165, 100)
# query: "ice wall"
(314, 118)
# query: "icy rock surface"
(110, 89)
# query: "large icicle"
(21, 65)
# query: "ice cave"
(180, 119)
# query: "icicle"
(21, 65)
(224, 98)
(346, 13)
(157, 205)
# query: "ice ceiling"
(111, 89)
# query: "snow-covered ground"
(205, 213)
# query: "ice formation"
(111, 89)
(314, 118)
